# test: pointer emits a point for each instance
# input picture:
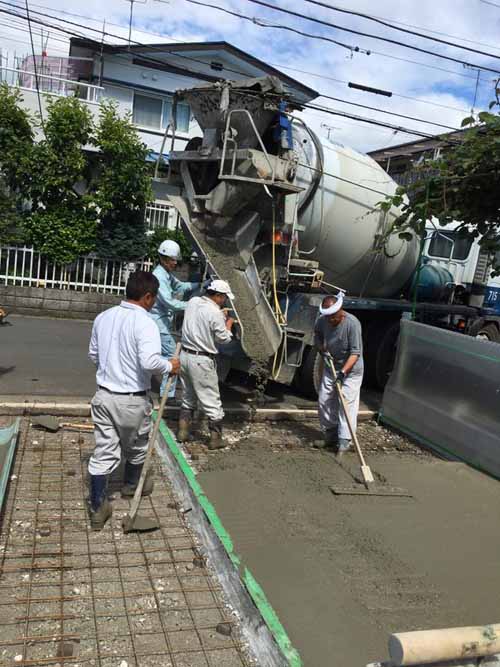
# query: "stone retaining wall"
(55, 302)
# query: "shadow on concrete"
(6, 369)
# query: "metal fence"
(158, 214)
(22, 266)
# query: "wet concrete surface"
(343, 572)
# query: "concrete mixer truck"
(286, 217)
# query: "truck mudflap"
(232, 260)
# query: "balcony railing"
(51, 84)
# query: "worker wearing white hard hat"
(170, 300)
(206, 326)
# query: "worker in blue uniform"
(169, 301)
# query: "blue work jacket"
(167, 303)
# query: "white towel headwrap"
(335, 307)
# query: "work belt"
(199, 353)
(124, 393)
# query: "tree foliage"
(62, 224)
(462, 185)
(163, 234)
(80, 200)
(16, 141)
(123, 186)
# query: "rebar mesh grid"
(72, 596)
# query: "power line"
(353, 49)
(19, 28)
(99, 21)
(389, 40)
(387, 24)
(267, 24)
(370, 121)
(253, 19)
(160, 48)
(35, 67)
(386, 111)
(291, 68)
(317, 107)
(406, 97)
(440, 32)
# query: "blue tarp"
(153, 156)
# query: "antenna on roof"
(141, 2)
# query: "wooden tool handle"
(77, 427)
(344, 408)
(440, 646)
(138, 491)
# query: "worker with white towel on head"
(339, 333)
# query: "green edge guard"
(8, 439)
(256, 593)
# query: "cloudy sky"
(423, 86)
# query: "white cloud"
(414, 86)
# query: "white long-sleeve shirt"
(204, 326)
(125, 346)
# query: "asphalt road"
(47, 357)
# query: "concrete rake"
(367, 487)
(132, 522)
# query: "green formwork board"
(8, 441)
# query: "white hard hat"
(221, 287)
(170, 249)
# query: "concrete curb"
(245, 414)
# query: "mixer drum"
(341, 223)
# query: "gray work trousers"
(200, 383)
(121, 426)
(331, 414)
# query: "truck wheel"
(308, 376)
(489, 332)
(380, 352)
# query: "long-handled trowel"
(368, 487)
(133, 522)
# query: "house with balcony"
(142, 79)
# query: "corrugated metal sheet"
(8, 440)
(445, 392)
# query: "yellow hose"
(280, 318)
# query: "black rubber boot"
(131, 480)
(215, 428)
(184, 429)
(100, 507)
(330, 440)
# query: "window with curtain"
(183, 115)
(155, 112)
(147, 111)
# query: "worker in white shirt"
(169, 300)
(206, 325)
(125, 346)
